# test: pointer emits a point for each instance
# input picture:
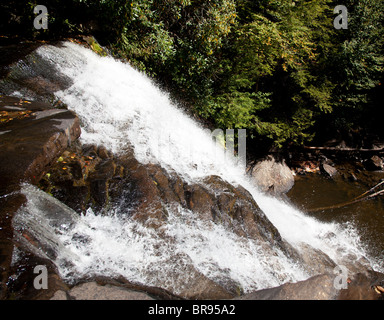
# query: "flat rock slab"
(94, 291)
(32, 136)
(316, 288)
(323, 287)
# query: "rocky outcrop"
(322, 287)
(94, 291)
(35, 138)
(315, 288)
(144, 189)
(33, 135)
(145, 192)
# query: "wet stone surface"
(32, 135)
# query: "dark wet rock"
(272, 177)
(374, 163)
(21, 276)
(33, 135)
(199, 200)
(76, 168)
(361, 287)
(33, 77)
(99, 192)
(81, 179)
(11, 53)
(29, 146)
(89, 150)
(202, 288)
(99, 185)
(104, 170)
(103, 152)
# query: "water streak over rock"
(177, 216)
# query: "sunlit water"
(120, 107)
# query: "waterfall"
(121, 108)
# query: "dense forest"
(278, 68)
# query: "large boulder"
(272, 177)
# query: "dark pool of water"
(314, 191)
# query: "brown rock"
(94, 291)
(30, 145)
(361, 287)
(104, 170)
(319, 287)
(103, 153)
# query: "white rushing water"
(119, 106)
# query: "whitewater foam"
(119, 108)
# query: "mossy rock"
(95, 46)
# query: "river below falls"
(316, 191)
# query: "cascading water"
(120, 108)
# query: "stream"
(239, 238)
(366, 217)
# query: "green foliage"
(275, 67)
(273, 83)
(359, 61)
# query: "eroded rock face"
(145, 192)
(213, 199)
